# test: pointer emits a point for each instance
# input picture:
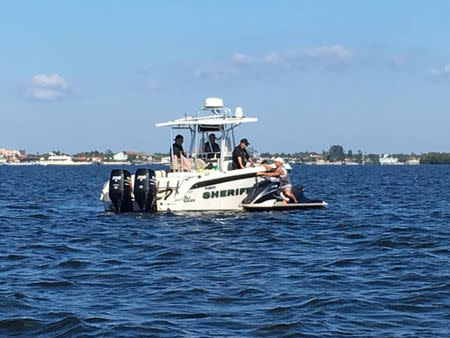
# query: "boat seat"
(199, 163)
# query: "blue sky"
(83, 75)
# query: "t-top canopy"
(214, 120)
(220, 116)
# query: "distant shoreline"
(88, 164)
(334, 156)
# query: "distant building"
(80, 159)
(11, 153)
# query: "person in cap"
(211, 146)
(280, 172)
(241, 156)
(177, 148)
(179, 154)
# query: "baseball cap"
(177, 137)
(279, 159)
(245, 141)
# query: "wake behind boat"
(208, 183)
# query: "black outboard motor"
(120, 190)
(145, 190)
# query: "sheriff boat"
(209, 185)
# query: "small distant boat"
(413, 161)
(57, 160)
(389, 160)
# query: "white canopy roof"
(210, 121)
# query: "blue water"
(374, 263)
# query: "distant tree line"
(335, 153)
(435, 158)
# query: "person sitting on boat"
(179, 154)
(211, 146)
(241, 156)
(280, 172)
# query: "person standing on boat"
(211, 146)
(178, 153)
(280, 172)
(241, 156)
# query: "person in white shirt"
(280, 172)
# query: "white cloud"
(242, 59)
(442, 72)
(322, 56)
(54, 80)
(48, 87)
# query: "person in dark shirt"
(240, 155)
(211, 146)
(179, 155)
(178, 150)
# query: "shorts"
(286, 187)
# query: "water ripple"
(375, 263)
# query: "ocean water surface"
(374, 263)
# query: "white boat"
(57, 160)
(389, 160)
(210, 185)
(413, 161)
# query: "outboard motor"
(145, 190)
(120, 190)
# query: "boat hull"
(217, 191)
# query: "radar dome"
(213, 102)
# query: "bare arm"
(269, 168)
(273, 173)
(241, 165)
